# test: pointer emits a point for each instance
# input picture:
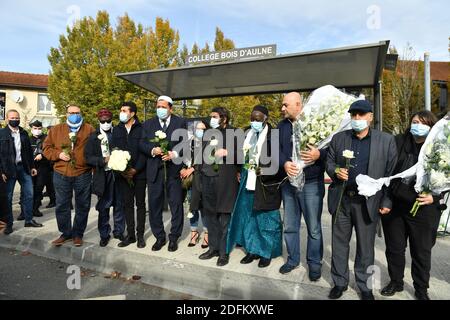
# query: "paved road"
(24, 276)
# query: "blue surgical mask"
(162, 113)
(123, 117)
(199, 133)
(419, 130)
(359, 125)
(257, 126)
(214, 123)
(75, 118)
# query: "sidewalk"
(182, 271)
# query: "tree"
(84, 66)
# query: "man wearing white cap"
(167, 122)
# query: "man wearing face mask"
(168, 123)
(16, 164)
(42, 165)
(400, 226)
(127, 136)
(65, 146)
(104, 186)
(375, 155)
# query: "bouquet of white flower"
(118, 160)
(324, 114)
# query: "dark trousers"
(130, 194)
(217, 222)
(3, 202)
(156, 201)
(39, 182)
(353, 215)
(49, 188)
(421, 230)
(65, 187)
(112, 197)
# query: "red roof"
(23, 80)
(440, 71)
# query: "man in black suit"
(375, 155)
(157, 173)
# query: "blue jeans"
(112, 197)
(65, 187)
(308, 202)
(195, 219)
(26, 194)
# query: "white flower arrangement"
(119, 160)
(348, 154)
(214, 143)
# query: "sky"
(28, 29)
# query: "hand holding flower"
(310, 155)
(291, 169)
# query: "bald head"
(292, 105)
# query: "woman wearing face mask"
(256, 222)
(195, 198)
(400, 225)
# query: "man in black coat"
(375, 155)
(127, 136)
(16, 164)
(42, 165)
(163, 174)
(97, 153)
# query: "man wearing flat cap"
(375, 155)
(163, 179)
(104, 185)
(43, 166)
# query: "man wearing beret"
(42, 165)
(163, 179)
(375, 155)
(104, 185)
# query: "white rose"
(160, 134)
(348, 154)
(72, 135)
(246, 147)
(312, 140)
(214, 142)
(101, 137)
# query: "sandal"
(205, 243)
(195, 237)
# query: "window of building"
(2, 105)
(44, 103)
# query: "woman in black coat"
(400, 225)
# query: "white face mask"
(106, 126)
(36, 132)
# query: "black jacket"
(37, 148)
(149, 128)
(94, 158)
(130, 142)
(8, 152)
(268, 197)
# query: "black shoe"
(37, 213)
(104, 242)
(314, 276)
(367, 295)
(223, 260)
(249, 258)
(141, 242)
(337, 292)
(173, 246)
(126, 242)
(208, 255)
(286, 268)
(158, 245)
(391, 289)
(263, 262)
(422, 295)
(120, 237)
(21, 217)
(51, 204)
(8, 231)
(33, 224)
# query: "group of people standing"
(234, 193)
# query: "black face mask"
(14, 123)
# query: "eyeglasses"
(73, 113)
(105, 121)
